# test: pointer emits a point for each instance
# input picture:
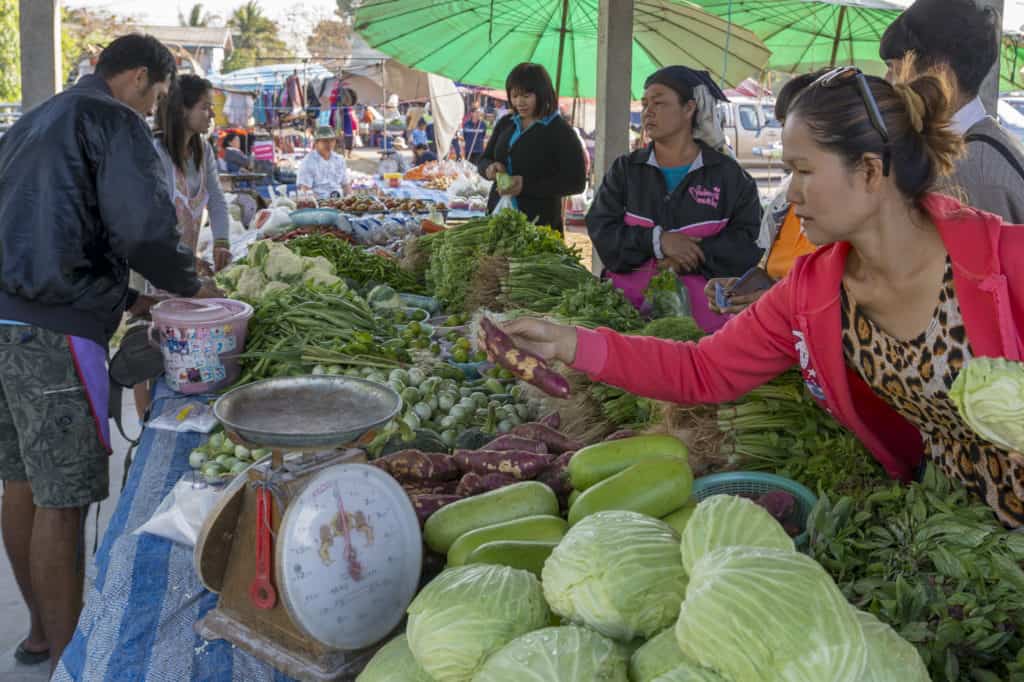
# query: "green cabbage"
(658, 656)
(557, 654)
(467, 613)
(727, 520)
(755, 614)
(688, 672)
(989, 394)
(617, 572)
(890, 657)
(394, 662)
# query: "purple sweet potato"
(475, 484)
(556, 476)
(510, 442)
(425, 505)
(779, 504)
(429, 488)
(413, 466)
(556, 442)
(624, 433)
(521, 465)
(523, 364)
(553, 420)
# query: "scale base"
(332, 666)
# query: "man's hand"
(208, 289)
(221, 257)
(684, 251)
(515, 189)
(737, 302)
(142, 305)
(492, 171)
(203, 268)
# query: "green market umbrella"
(479, 41)
(805, 35)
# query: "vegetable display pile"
(271, 268)
(219, 460)
(621, 596)
(598, 303)
(356, 264)
(936, 566)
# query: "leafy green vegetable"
(890, 657)
(557, 654)
(617, 572)
(666, 296)
(503, 181)
(727, 521)
(598, 303)
(682, 328)
(688, 672)
(769, 615)
(467, 613)
(989, 394)
(659, 655)
(394, 661)
(355, 263)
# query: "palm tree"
(255, 38)
(196, 17)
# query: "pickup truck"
(754, 134)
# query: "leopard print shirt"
(914, 377)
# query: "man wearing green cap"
(322, 171)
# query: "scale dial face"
(349, 552)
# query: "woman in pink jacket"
(906, 287)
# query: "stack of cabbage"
(274, 267)
(738, 603)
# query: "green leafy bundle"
(356, 264)
(597, 303)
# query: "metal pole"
(990, 88)
(561, 49)
(838, 36)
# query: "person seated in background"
(678, 203)
(322, 171)
(961, 40)
(422, 154)
(419, 134)
(235, 160)
(782, 234)
(392, 161)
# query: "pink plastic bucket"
(200, 340)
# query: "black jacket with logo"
(719, 189)
(83, 197)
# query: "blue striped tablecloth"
(139, 614)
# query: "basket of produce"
(315, 216)
(788, 501)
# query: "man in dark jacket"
(83, 198)
(679, 203)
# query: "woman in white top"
(322, 171)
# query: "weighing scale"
(315, 557)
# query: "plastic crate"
(756, 484)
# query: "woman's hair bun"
(928, 100)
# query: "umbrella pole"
(838, 36)
(561, 49)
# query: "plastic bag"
(182, 513)
(667, 297)
(503, 203)
(195, 416)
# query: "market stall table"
(139, 614)
(414, 190)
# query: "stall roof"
(191, 36)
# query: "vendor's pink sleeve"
(750, 350)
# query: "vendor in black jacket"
(536, 147)
(680, 203)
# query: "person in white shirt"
(961, 40)
(322, 171)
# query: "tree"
(330, 40)
(84, 32)
(255, 37)
(196, 16)
(10, 52)
(346, 9)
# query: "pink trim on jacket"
(798, 322)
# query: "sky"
(165, 12)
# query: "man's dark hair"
(422, 123)
(533, 78)
(228, 139)
(133, 51)
(957, 33)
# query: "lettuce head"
(557, 654)
(726, 521)
(989, 394)
(394, 662)
(890, 657)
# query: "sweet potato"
(521, 465)
(556, 476)
(523, 364)
(556, 442)
(510, 442)
(425, 505)
(475, 484)
(426, 488)
(414, 466)
(553, 420)
(779, 504)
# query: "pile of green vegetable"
(354, 263)
(933, 563)
(271, 268)
(598, 303)
(726, 598)
(219, 460)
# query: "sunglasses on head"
(851, 74)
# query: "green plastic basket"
(757, 483)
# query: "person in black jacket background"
(83, 198)
(680, 203)
(536, 147)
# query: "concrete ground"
(14, 620)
